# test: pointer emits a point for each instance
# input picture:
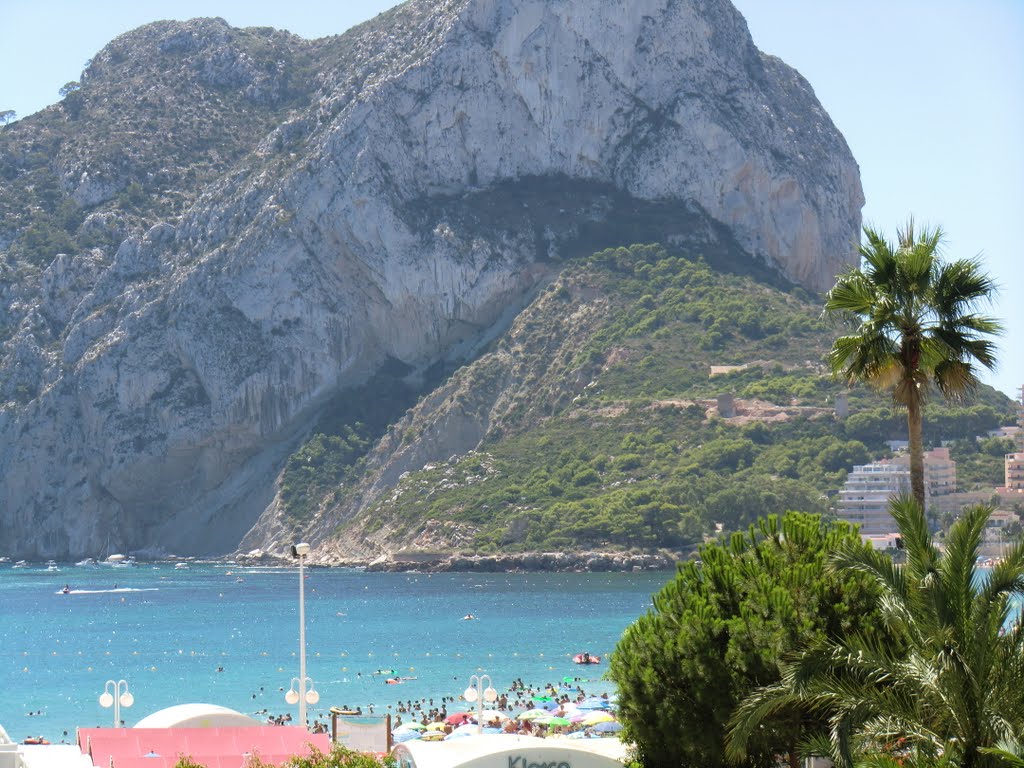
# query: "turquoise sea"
(228, 635)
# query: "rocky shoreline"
(526, 562)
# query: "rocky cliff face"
(453, 152)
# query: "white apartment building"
(864, 499)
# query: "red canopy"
(212, 747)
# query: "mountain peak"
(242, 224)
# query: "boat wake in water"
(105, 591)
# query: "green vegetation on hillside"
(346, 429)
(634, 454)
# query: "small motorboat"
(586, 658)
(181, 566)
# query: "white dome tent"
(196, 716)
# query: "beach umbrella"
(594, 702)
(597, 717)
(433, 736)
(531, 714)
(436, 726)
(399, 736)
(461, 732)
(413, 726)
(610, 726)
(552, 720)
(458, 718)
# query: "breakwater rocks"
(529, 561)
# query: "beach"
(228, 635)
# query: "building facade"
(864, 498)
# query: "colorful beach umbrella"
(461, 732)
(458, 718)
(597, 717)
(552, 720)
(436, 726)
(611, 726)
(594, 702)
(413, 726)
(400, 736)
(532, 714)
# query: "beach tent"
(489, 750)
(197, 716)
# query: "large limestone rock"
(458, 147)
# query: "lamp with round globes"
(480, 691)
(298, 692)
(303, 695)
(121, 697)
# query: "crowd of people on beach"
(441, 714)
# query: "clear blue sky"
(929, 94)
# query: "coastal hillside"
(594, 426)
(220, 239)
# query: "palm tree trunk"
(916, 450)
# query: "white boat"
(51, 565)
(20, 564)
(86, 563)
(181, 566)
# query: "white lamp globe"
(469, 694)
(127, 699)
(106, 700)
(292, 697)
(490, 695)
(312, 697)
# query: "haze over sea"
(172, 630)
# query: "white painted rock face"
(366, 230)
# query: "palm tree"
(948, 685)
(917, 326)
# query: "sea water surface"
(229, 635)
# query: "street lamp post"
(303, 695)
(121, 697)
(480, 690)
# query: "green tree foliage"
(338, 757)
(69, 87)
(979, 463)
(950, 687)
(719, 629)
(345, 431)
(8, 116)
(917, 326)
